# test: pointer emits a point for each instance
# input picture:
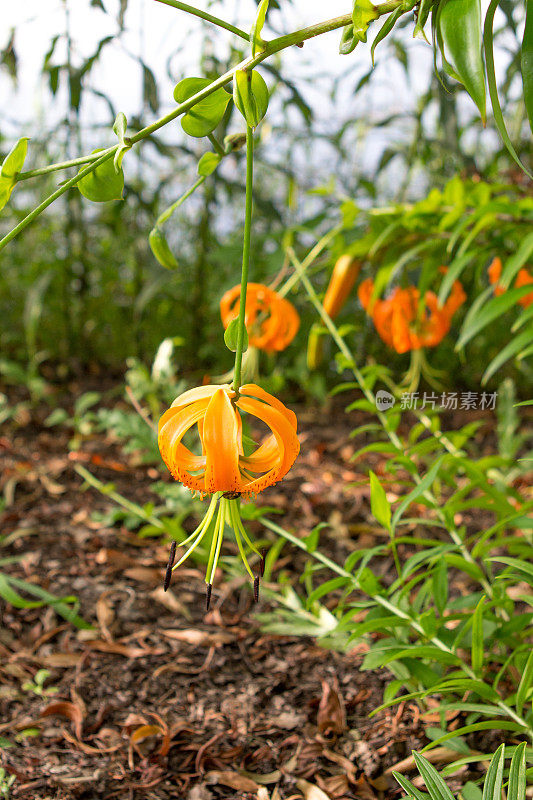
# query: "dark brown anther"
(231, 495)
(208, 596)
(256, 589)
(300, 44)
(168, 573)
(262, 563)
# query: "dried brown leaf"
(65, 709)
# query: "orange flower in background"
(523, 278)
(222, 466)
(271, 321)
(397, 319)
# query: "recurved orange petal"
(221, 443)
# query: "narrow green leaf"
(408, 787)
(488, 37)
(379, 504)
(526, 61)
(516, 788)
(492, 788)
(384, 31)
(477, 637)
(348, 41)
(459, 28)
(434, 783)
(440, 585)
(525, 684)
(493, 309)
(424, 484)
(512, 349)
(257, 27)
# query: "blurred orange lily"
(397, 319)
(523, 278)
(222, 466)
(272, 321)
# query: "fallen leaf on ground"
(65, 709)
(310, 791)
(232, 779)
(331, 713)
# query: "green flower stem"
(393, 437)
(312, 255)
(217, 146)
(167, 213)
(207, 17)
(235, 525)
(384, 603)
(74, 162)
(245, 255)
(49, 200)
(275, 46)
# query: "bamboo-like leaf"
(409, 788)
(512, 349)
(477, 651)
(526, 61)
(488, 38)
(424, 484)
(516, 788)
(434, 783)
(379, 504)
(492, 788)
(525, 684)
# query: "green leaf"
(419, 489)
(383, 32)
(208, 163)
(408, 787)
(440, 585)
(119, 128)
(363, 14)
(459, 35)
(526, 61)
(516, 788)
(348, 41)
(257, 27)
(434, 783)
(379, 504)
(161, 249)
(477, 637)
(525, 684)
(103, 183)
(492, 788)
(512, 349)
(494, 308)
(206, 114)
(231, 335)
(488, 37)
(250, 95)
(12, 164)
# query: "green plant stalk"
(330, 325)
(312, 255)
(119, 499)
(167, 213)
(382, 601)
(197, 12)
(73, 162)
(275, 46)
(245, 256)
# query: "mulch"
(161, 699)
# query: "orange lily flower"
(222, 469)
(272, 321)
(222, 466)
(523, 278)
(397, 319)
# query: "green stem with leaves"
(245, 256)
(272, 47)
